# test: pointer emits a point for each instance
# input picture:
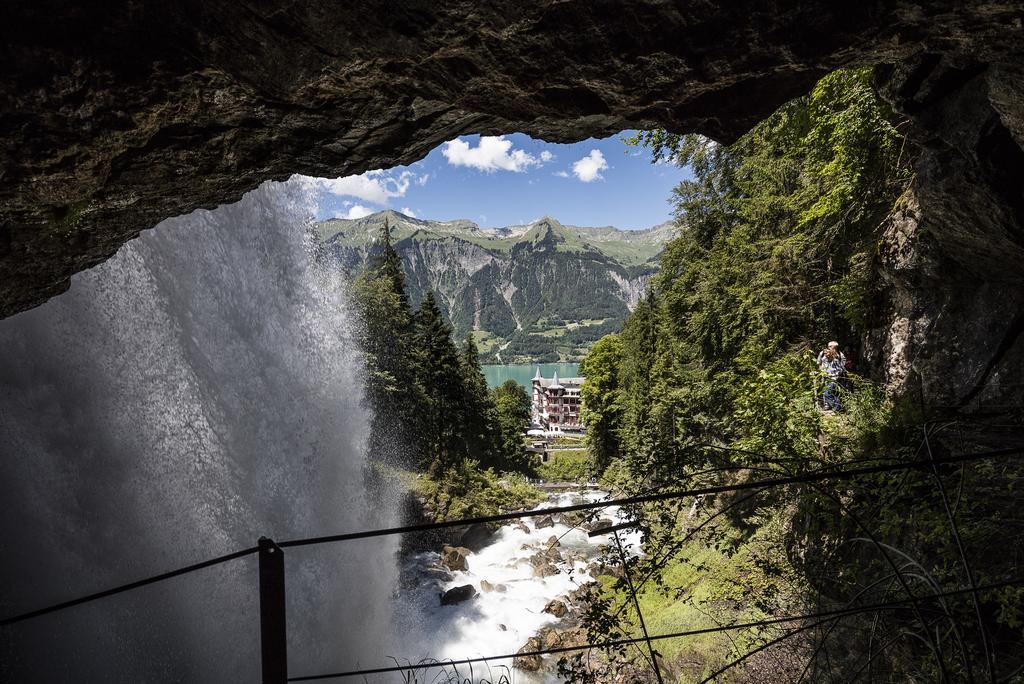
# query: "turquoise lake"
(523, 373)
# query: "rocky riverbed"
(519, 591)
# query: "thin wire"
(128, 587)
(841, 612)
(649, 498)
(501, 517)
(955, 532)
(639, 613)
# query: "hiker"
(850, 367)
(832, 364)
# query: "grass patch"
(567, 466)
(729, 575)
(552, 332)
(486, 341)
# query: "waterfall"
(194, 392)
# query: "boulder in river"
(546, 570)
(437, 572)
(458, 594)
(546, 521)
(486, 586)
(550, 637)
(556, 608)
(598, 525)
(575, 556)
(476, 536)
(454, 557)
(598, 568)
(572, 518)
(521, 526)
(547, 554)
(553, 541)
(530, 663)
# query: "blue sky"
(513, 179)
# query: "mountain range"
(528, 293)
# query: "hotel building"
(555, 403)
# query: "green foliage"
(439, 372)
(464, 489)
(776, 255)
(777, 413)
(512, 406)
(601, 410)
(387, 341)
(717, 383)
(431, 408)
(481, 425)
(567, 466)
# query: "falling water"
(192, 393)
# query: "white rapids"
(498, 622)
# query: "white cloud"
(356, 211)
(373, 186)
(408, 212)
(590, 167)
(561, 174)
(422, 180)
(492, 153)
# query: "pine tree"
(639, 342)
(479, 417)
(439, 374)
(388, 264)
(392, 394)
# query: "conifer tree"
(388, 264)
(392, 394)
(639, 343)
(439, 373)
(479, 419)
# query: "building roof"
(560, 383)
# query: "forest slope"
(538, 292)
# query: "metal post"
(273, 632)
(636, 602)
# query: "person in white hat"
(832, 364)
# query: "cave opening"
(203, 387)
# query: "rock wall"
(952, 257)
(116, 116)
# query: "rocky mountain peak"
(544, 291)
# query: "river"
(499, 621)
(523, 372)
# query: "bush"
(466, 491)
(567, 466)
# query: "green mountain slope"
(539, 292)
